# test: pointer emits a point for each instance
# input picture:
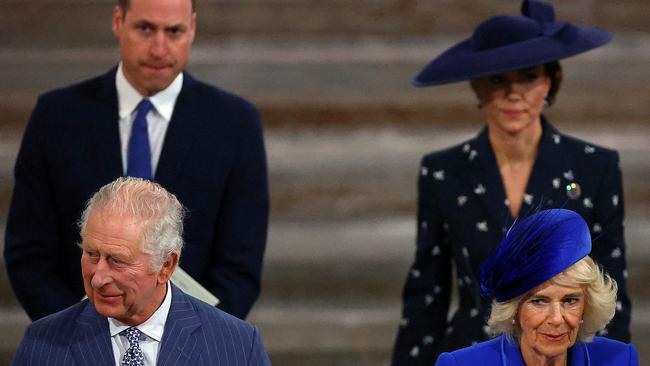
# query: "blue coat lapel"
(180, 345)
(91, 342)
(184, 127)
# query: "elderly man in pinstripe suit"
(131, 242)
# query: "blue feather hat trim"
(533, 251)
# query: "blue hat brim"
(460, 62)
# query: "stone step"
(364, 83)
(63, 23)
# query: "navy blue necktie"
(139, 153)
(133, 355)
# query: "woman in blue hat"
(549, 299)
(470, 192)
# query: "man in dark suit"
(131, 241)
(146, 118)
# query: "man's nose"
(102, 274)
(158, 46)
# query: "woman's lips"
(554, 337)
(512, 112)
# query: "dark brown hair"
(124, 4)
(554, 72)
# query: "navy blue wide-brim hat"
(508, 42)
(533, 251)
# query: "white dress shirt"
(152, 332)
(157, 119)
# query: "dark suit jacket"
(462, 216)
(213, 160)
(195, 334)
(500, 352)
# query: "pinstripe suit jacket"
(195, 334)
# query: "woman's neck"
(515, 149)
(532, 358)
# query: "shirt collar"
(163, 101)
(152, 327)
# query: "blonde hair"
(600, 301)
(160, 211)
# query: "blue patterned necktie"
(139, 153)
(133, 355)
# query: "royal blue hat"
(533, 251)
(508, 42)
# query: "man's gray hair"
(149, 203)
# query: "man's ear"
(168, 268)
(117, 21)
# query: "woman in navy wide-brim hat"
(549, 299)
(469, 193)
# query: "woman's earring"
(582, 321)
(546, 103)
(513, 321)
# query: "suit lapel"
(183, 128)
(180, 346)
(91, 342)
(485, 180)
(105, 131)
(546, 182)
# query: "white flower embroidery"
(415, 351)
(472, 155)
(424, 171)
(403, 322)
(424, 225)
(436, 290)
(461, 200)
(616, 253)
(415, 273)
(587, 203)
(466, 148)
(482, 226)
(528, 198)
(449, 330)
(556, 138)
(556, 183)
(473, 312)
(435, 251)
(589, 149)
(428, 299)
(597, 228)
(568, 175)
(439, 175)
(480, 189)
(427, 340)
(486, 329)
(615, 200)
(465, 252)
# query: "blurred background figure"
(549, 298)
(470, 192)
(344, 131)
(145, 117)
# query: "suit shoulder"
(86, 87)
(446, 157)
(488, 353)
(616, 352)
(216, 94)
(584, 147)
(57, 326)
(217, 317)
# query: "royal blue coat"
(500, 352)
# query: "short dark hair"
(554, 71)
(124, 4)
